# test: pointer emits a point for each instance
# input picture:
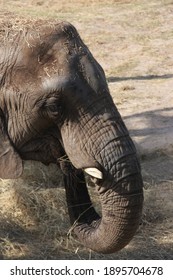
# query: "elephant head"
(55, 107)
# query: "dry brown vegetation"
(133, 41)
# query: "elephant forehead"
(41, 43)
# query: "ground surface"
(133, 42)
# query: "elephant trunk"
(121, 197)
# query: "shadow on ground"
(152, 130)
(139, 78)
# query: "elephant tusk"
(94, 172)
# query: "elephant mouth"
(45, 148)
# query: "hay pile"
(11, 25)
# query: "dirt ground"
(132, 40)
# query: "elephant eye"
(52, 105)
(53, 108)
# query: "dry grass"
(133, 42)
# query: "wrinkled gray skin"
(55, 104)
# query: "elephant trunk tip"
(121, 207)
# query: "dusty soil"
(133, 41)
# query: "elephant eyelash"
(52, 94)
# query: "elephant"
(56, 107)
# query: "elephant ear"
(11, 165)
